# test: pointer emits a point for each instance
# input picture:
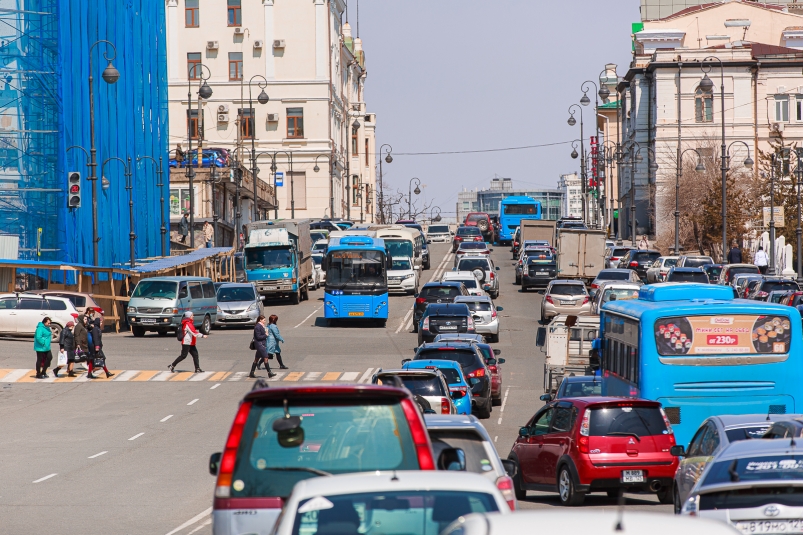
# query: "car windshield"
(438, 229)
(741, 270)
(401, 264)
(470, 264)
(688, 276)
(568, 289)
(339, 436)
(320, 246)
(626, 420)
(622, 294)
(775, 286)
(697, 261)
(317, 259)
(472, 246)
(538, 254)
(472, 444)
(236, 293)
(354, 268)
(712, 270)
(468, 282)
(425, 512)
(747, 433)
(788, 467)
(468, 231)
(619, 252)
(398, 247)
(670, 262)
(478, 306)
(156, 289)
(440, 292)
(644, 257)
(317, 236)
(519, 209)
(464, 357)
(580, 389)
(268, 258)
(613, 275)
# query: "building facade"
(572, 189)
(314, 129)
(659, 9)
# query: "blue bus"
(356, 279)
(700, 353)
(512, 210)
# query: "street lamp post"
(437, 217)
(799, 231)
(707, 85)
(160, 185)
(195, 72)
(214, 180)
(678, 174)
(608, 152)
(388, 159)
(574, 156)
(129, 186)
(583, 185)
(263, 98)
(410, 195)
(585, 101)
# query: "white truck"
(581, 253)
(567, 348)
(538, 229)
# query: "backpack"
(89, 337)
(180, 333)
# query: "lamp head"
(653, 166)
(110, 74)
(417, 190)
(316, 168)
(604, 92)
(574, 154)
(389, 158)
(749, 162)
(437, 218)
(356, 124)
(639, 157)
(263, 97)
(205, 91)
(104, 183)
(273, 167)
(706, 84)
(700, 167)
(584, 100)
(572, 121)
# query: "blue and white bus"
(512, 210)
(356, 279)
(701, 353)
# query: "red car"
(491, 360)
(482, 221)
(597, 444)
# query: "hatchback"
(687, 274)
(729, 271)
(565, 297)
(435, 292)
(621, 275)
(484, 271)
(486, 319)
(468, 278)
(575, 446)
(81, 301)
(658, 270)
(761, 291)
(238, 304)
(493, 363)
(614, 254)
(457, 386)
(285, 434)
(577, 386)
(639, 260)
(444, 317)
(537, 269)
(466, 234)
(713, 271)
(429, 384)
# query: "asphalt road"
(130, 455)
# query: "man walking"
(184, 227)
(179, 156)
(735, 254)
(209, 234)
(188, 335)
(761, 260)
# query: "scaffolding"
(31, 191)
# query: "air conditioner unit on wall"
(273, 117)
(238, 31)
(212, 45)
(278, 43)
(258, 43)
(223, 108)
(223, 117)
(776, 127)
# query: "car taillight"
(74, 315)
(595, 285)
(633, 264)
(470, 324)
(585, 300)
(669, 429)
(549, 300)
(520, 262)
(477, 238)
(420, 300)
(226, 470)
(492, 276)
(493, 313)
(477, 373)
(492, 368)
(458, 238)
(423, 446)
(585, 424)
(425, 326)
(761, 294)
(505, 486)
(515, 244)
(445, 408)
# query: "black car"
(464, 234)
(687, 274)
(762, 290)
(435, 292)
(442, 318)
(639, 260)
(713, 271)
(577, 386)
(539, 271)
(474, 368)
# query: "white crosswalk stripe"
(14, 376)
(311, 376)
(201, 376)
(238, 376)
(163, 376)
(349, 376)
(126, 375)
(366, 376)
(278, 377)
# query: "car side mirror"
(500, 361)
(490, 362)
(429, 241)
(540, 337)
(524, 432)
(415, 295)
(497, 267)
(452, 459)
(214, 463)
(511, 468)
(499, 309)
(677, 451)
(546, 397)
(497, 352)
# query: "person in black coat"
(67, 344)
(97, 343)
(735, 255)
(260, 344)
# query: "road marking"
(404, 320)
(14, 375)
(308, 317)
(97, 455)
(202, 526)
(45, 478)
(214, 386)
(167, 376)
(331, 376)
(349, 376)
(145, 376)
(126, 375)
(312, 376)
(219, 376)
(238, 376)
(193, 401)
(136, 436)
(293, 376)
(166, 418)
(277, 377)
(201, 376)
(502, 408)
(3, 373)
(365, 377)
(497, 436)
(181, 376)
(191, 521)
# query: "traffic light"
(74, 189)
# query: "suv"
(565, 297)
(270, 448)
(575, 446)
(482, 221)
(435, 292)
(439, 234)
(614, 254)
(464, 234)
(21, 313)
(687, 274)
(694, 261)
(483, 269)
(639, 260)
(538, 267)
(761, 291)
(446, 317)
(427, 385)
(474, 368)
(729, 271)
(486, 319)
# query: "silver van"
(159, 303)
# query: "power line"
(480, 150)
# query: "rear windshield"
(477, 458)
(581, 389)
(680, 276)
(77, 300)
(568, 289)
(471, 246)
(156, 289)
(439, 229)
(610, 275)
(473, 218)
(754, 497)
(423, 385)
(760, 468)
(462, 356)
(338, 438)
(697, 261)
(671, 262)
(468, 283)
(225, 295)
(468, 231)
(713, 270)
(626, 421)
(622, 294)
(746, 433)
(619, 252)
(470, 264)
(774, 286)
(441, 292)
(641, 257)
(732, 272)
(452, 376)
(478, 306)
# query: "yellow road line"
(294, 376)
(3, 373)
(219, 376)
(145, 375)
(29, 377)
(330, 376)
(181, 376)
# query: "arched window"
(703, 106)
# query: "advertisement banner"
(722, 335)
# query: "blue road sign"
(279, 179)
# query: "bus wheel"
(295, 297)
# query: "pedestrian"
(98, 356)
(67, 345)
(179, 156)
(209, 234)
(184, 227)
(761, 260)
(644, 243)
(735, 254)
(242, 241)
(189, 334)
(81, 337)
(41, 344)
(260, 344)
(273, 341)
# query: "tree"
(785, 188)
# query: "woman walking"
(273, 341)
(189, 334)
(41, 344)
(98, 356)
(260, 344)
(67, 344)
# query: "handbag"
(62, 360)
(98, 362)
(252, 346)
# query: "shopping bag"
(99, 362)
(62, 358)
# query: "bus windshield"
(520, 209)
(268, 258)
(399, 247)
(355, 268)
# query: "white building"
(572, 189)
(313, 71)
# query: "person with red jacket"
(190, 334)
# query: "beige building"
(315, 126)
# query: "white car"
(21, 313)
(320, 247)
(425, 501)
(439, 234)
(468, 279)
(403, 275)
(319, 275)
(486, 319)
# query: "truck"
(568, 343)
(581, 253)
(538, 229)
(278, 258)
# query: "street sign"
(279, 179)
(616, 214)
(779, 216)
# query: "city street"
(130, 454)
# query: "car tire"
(495, 295)
(566, 488)
(161, 333)
(612, 493)
(494, 338)
(521, 493)
(55, 332)
(484, 414)
(496, 401)
(666, 495)
(138, 332)
(676, 501)
(518, 280)
(415, 327)
(206, 325)
(295, 298)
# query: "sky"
(449, 75)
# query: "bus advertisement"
(512, 210)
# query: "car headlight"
(131, 310)
(410, 276)
(174, 310)
(219, 311)
(253, 308)
(690, 507)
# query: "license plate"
(632, 476)
(148, 320)
(356, 313)
(447, 327)
(771, 526)
(569, 303)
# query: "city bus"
(400, 240)
(700, 353)
(512, 210)
(356, 279)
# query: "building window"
(799, 108)
(703, 106)
(354, 142)
(295, 122)
(235, 65)
(366, 153)
(246, 123)
(355, 189)
(179, 201)
(191, 15)
(193, 123)
(782, 108)
(194, 65)
(235, 12)
(299, 189)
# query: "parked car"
(486, 319)
(639, 260)
(423, 383)
(613, 291)
(467, 278)
(565, 297)
(658, 270)
(466, 234)
(574, 446)
(81, 301)
(238, 304)
(730, 271)
(158, 304)
(687, 274)
(459, 389)
(694, 261)
(762, 289)
(403, 275)
(21, 313)
(614, 255)
(446, 317)
(618, 274)
(538, 268)
(330, 439)
(435, 292)
(482, 221)
(439, 234)
(713, 271)
(484, 271)
(320, 274)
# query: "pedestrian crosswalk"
(155, 376)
